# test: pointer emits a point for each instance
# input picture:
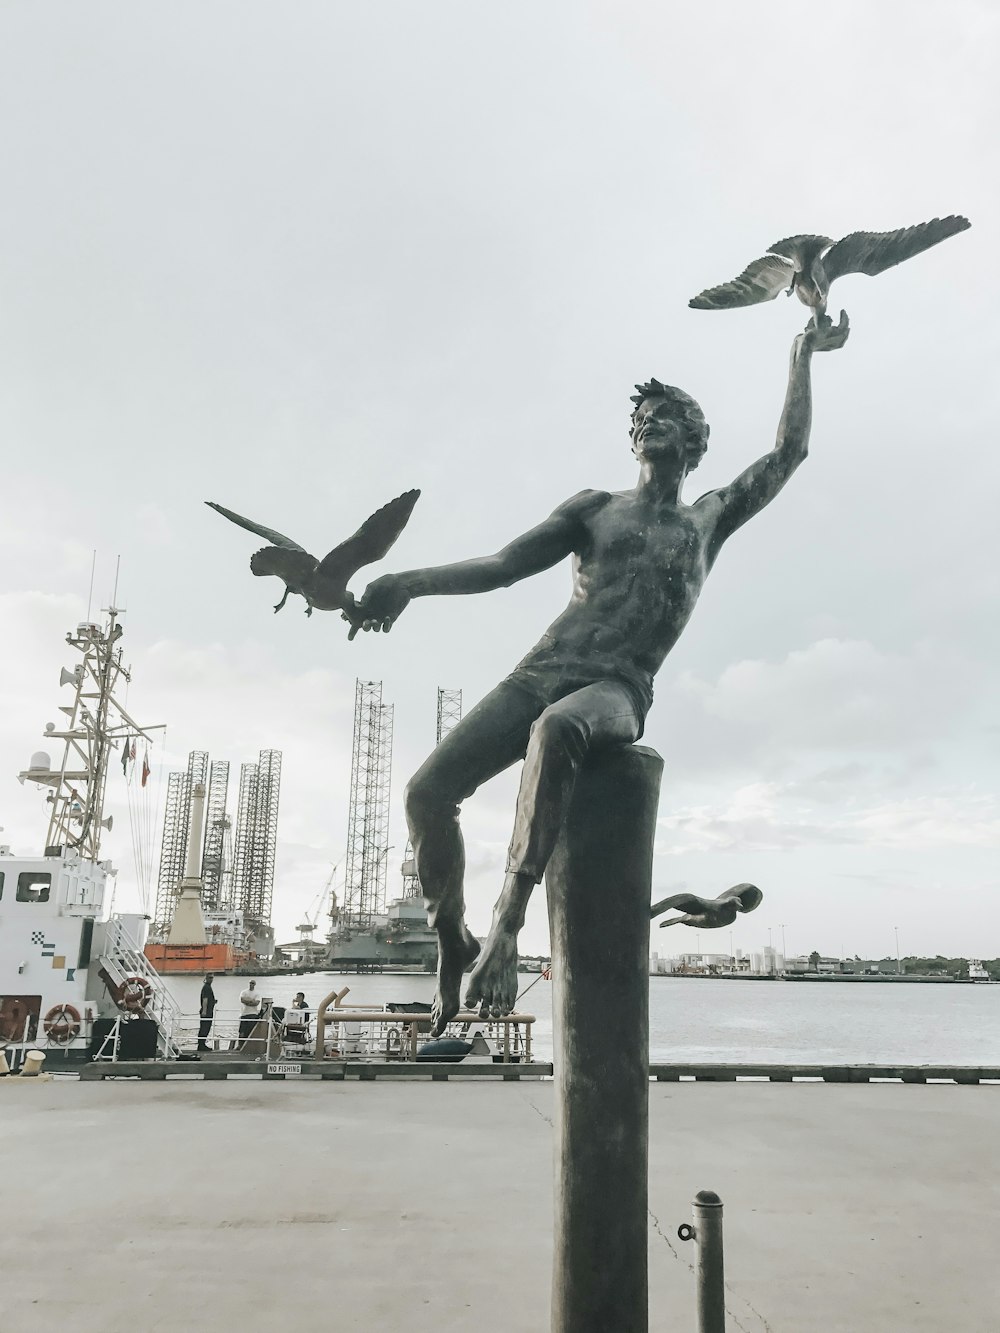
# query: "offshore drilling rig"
(235, 880)
(367, 932)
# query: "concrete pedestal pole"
(598, 883)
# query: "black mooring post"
(599, 888)
(706, 1231)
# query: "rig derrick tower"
(256, 839)
(213, 867)
(449, 714)
(368, 817)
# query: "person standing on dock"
(249, 1009)
(206, 1013)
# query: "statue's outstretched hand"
(826, 336)
(384, 601)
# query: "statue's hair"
(688, 413)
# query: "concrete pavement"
(266, 1208)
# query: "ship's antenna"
(90, 595)
(114, 595)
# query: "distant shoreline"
(853, 978)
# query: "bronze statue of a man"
(640, 559)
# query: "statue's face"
(656, 433)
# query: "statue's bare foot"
(457, 948)
(493, 984)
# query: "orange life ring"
(62, 1024)
(136, 993)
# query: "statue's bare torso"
(638, 569)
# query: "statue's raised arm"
(760, 483)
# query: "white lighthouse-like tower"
(188, 924)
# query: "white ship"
(68, 966)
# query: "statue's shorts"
(550, 713)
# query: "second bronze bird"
(323, 583)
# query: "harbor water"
(700, 1019)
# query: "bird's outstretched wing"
(372, 540)
(760, 281)
(268, 534)
(873, 252)
(681, 902)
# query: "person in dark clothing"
(298, 1019)
(206, 1012)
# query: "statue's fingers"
(386, 626)
(353, 630)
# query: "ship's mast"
(97, 722)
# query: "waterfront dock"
(439, 1071)
(425, 1207)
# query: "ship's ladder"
(130, 971)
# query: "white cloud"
(836, 697)
(772, 816)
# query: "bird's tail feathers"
(261, 561)
(796, 247)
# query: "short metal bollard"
(706, 1208)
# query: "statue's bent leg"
(489, 739)
(593, 717)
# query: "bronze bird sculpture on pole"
(807, 265)
(323, 583)
(709, 913)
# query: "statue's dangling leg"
(488, 740)
(439, 852)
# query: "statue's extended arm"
(542, 547)
(761, 482)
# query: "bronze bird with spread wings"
(709, 913)
(323, 583)
(807, 265)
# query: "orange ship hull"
(174, 958)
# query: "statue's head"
(665, 418)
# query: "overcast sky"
(299, 258)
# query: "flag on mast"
(145, 768)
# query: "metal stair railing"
(121, 960)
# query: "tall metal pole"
(896, 933)
(598, 883)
